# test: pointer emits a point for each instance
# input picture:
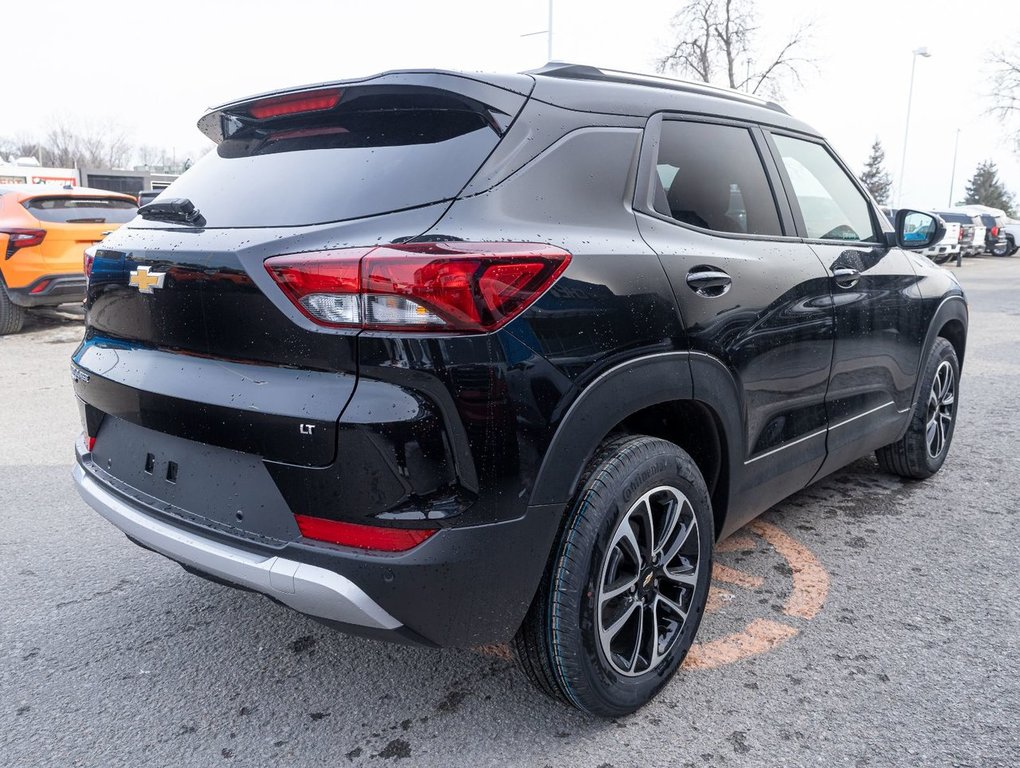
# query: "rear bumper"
(463, 587)
(50, 290)
(307, 588)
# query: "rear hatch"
(187, 332)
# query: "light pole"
(922, 51)
(548, 32)
(952, 176)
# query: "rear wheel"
(922, 451)
(12, 316)
(1002, 247)
(625, 591)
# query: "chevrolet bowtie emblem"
(145, 281)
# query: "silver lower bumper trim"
(306, 588)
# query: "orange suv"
(44, 232)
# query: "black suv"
(454, 359)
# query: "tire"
(1001, 248)
(566, 645)
(920, 453)
(12, 316)
(942, 258)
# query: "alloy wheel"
(941, 407)
(648, 580)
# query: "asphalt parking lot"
(864, 622)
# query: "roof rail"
(570, 71)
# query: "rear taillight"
(295, 103)
(995, 231)
(88, 259)
(362, 536)
(959, 236)
(434, 287)
(22, 238)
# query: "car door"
(879, 323)
(754, 298)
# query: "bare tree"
(70, 145)
(721, 35)
(1006, 94)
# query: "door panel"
(772, 330)
(752, 299)
(874, 294)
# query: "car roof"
(586, 88)
(48, 190)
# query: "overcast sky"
(153, 68)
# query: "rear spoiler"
(501, 94)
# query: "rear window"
(372, 157)
(81, 210)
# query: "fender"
(616, 394)
(952, 307)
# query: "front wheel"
(625, 591)
(922, 451)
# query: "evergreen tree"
(875, 177)
(984, 188)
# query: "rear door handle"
(708, 281)
(846, 277)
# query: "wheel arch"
(656, 395)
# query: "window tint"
(713, 178)
(833, 208)
(325, 167)
(81, 210)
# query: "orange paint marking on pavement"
(736, 544)
(759, 636)
(810, 579)
(729, 575)
(717, 598)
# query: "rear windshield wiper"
(178, 209)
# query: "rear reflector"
(445, 286)
(90, 443)
(40, 286)
(22, 238)
(295, 103)
(361, 536)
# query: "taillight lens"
(362, 536)
(295, 103)
(995, 231)
(22, 238)
(88, 259)
(445, 287)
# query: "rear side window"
(713, 178)
(373, 156)
(81, 210)
(832, 207)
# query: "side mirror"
(917, 230)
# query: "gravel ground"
(868, 622)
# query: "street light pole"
(922, 51)
(952, 176)
(548, 32)
(548, 38)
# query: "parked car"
(947, 247)
(972, 230)
(507, 362)
(994, 219)
(1012, 235)
(44, 231)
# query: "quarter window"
(711, 176)
(832, 207)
